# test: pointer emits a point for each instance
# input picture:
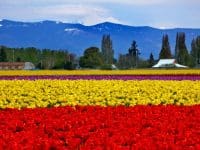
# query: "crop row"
(139, 127)
(103, 77)
(48, 93)
(102, 72)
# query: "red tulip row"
(94, 127)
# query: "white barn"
(168, 63)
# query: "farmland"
(130, 109)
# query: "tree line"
(182, 55)
(103, 58)
(94, 58)
(42, 59)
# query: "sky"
(154, 13)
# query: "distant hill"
(77, 37)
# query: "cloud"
(134, 2)
(86, 14)
(96, 2)
(65, 2)
(156, 13)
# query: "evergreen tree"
(176, 47)
(133, 55)
(181, 51)
(107, 49)
(133, 49)
(151, 60)
(198, 49)
(195, 51)
(131, 59)
(165, 52)
(3, 56)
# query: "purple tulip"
(103, 77)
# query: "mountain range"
(77, 37)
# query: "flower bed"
(49, 93)
(139, 127)
(102, 77)
(102, 72)
(97, 109)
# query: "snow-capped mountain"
(77, 37)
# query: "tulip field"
(100, 110)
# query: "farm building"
(168, 63)
(16, 66)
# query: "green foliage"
(69, 65)
(107, 49)
(92, 58)
(181, 52)
(51, 59)
(151, 60)
(133, 55)
(43, 59)
(132, 51)
(122, 62)
(195, 51)
(106, 67)
(18, 59)
(3, 56)
(165, 52)
(143, 63)
(131, 59)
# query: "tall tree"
(133, 54)
(198, 49)
(3, 56)
(165, 52)
(176, 46)
(151, 60)
(181, 51)
(92, 58)
(195, 51)
(107, 49)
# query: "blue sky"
(155, 13)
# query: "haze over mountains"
(77, 37)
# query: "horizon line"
(81, 23)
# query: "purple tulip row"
(103, 77)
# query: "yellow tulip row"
(48, 93)
(100, 72)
